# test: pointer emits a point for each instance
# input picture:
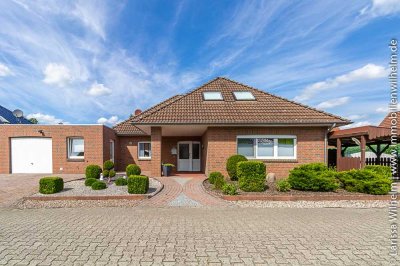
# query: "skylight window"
(212, 96)
(243, 96)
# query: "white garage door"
(31, 155)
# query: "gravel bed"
(313, 204)
(38, 204)
(78, 188)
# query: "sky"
(88, 62)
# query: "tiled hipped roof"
(266, 109)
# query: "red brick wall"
(92, 134)
(127, 150)
(156, 145)
(222, 144)
(108, 135)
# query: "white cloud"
(46, 119)
(4, 70)
(57, 74)
(369, 71)
(333, 102)
(109, 121)
(358, 124)
(98, 90)
(382, 8)
(356, 117)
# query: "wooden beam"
(338, 149)
(362, 146)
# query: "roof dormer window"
(243, 96)
(212, 96)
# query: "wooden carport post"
(363, 144)
(338, 150)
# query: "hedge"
(133, 169)
(251, 175)
(93, 171)
(231, 165)
(219, 182)
(283, 185)
(213, 176)
(98, 185)
(366, 181)
(138, 184)
(121, 182)
(313, 177)
(380, 169)
(51, 184)
(90, 181)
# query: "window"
(212, 96)
(112, 150)
(243, 96)
(76, 148)
(267, 147)
(144, 150)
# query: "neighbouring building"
(196, 132)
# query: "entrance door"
(189, 156)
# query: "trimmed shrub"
(112, 173)
(93, 171)
(283, 185)
(231, 165)
(219, 182)
(213, 176)
(98, 185)
(138, 184)
(365, 181)
(108, 165)
(380, 170)
(106, 173)
(90, 181)
(51, 184)
(133, 169)
(251, 176)
(229, 189)
(313, 177)
(121, 182)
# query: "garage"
(31, 155)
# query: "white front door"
(31, 155)
(189, 156)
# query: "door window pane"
(196, 151)
(183, 151)
(246, 147)
(286, 147)
(265, 147)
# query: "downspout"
(326, 142)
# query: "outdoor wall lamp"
(41, 132)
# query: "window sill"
(277, 160)
(144, 159)
(75, 160)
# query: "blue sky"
(97, 61)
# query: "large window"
(243, 96)
(212, 96)
(76, 148)
(144, 150)
(267, 147)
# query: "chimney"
(138, 112)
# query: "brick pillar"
(156, 137)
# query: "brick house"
(196, 132)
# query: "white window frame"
(275, 138)
(71, 157)
(138, 150)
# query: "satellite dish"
(18, 113)
(356, 141)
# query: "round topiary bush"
(112, 173)
(133, 169)
(89, 181)
(106, 173)
(98, 185)
(229, 189)
(121, 182)
(219, 182)
(283, 185)
(108, 165)
(231, 165)
(93, 171)
(213, 176)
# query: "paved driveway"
(194, 236)
(14, 187)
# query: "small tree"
(33, 120)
